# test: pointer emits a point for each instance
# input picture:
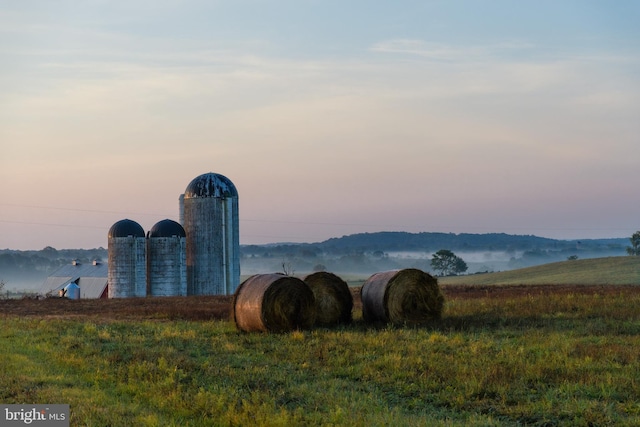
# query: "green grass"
(569, 360)
(597, 271)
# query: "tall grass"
(569, 360)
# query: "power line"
(332, 224)
(80, 210)
(52, 224)
(165, 215)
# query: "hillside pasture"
(623, 270)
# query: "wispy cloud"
(441, 51)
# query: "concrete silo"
(181, 209)
(210, 211)
(166, 259)
(127, 266)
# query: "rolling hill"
(623, 270)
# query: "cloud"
(447, 52)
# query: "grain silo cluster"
(199, 256)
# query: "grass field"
(596, 271)
(524, 355)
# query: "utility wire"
(336, 224)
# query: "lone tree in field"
(634, 249)
(448, 263)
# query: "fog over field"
(477, 262)
(473, 257)
(354, 255)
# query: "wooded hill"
(396, 241)
(402, 241)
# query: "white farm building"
(91, 278)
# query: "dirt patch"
(202, 308)
(151, 308)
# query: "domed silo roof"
(125, 228)
(166, 228)
(211, 185)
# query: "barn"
(90, 277)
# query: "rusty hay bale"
(408, 296)
(334, 301)
(273, 302)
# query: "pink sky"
(379, 127)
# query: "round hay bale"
(273, 302)
(401, 296)
(334, 302)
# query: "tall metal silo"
(181, 209)
(210, 206)
(166, 259)
(126, 272)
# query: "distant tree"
(319, 267)
(572, 257)
(287, 268)
(378, 254)
(634, 249)
(448, 263)
(308, 252)
(49, 251)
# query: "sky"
(330, 117)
